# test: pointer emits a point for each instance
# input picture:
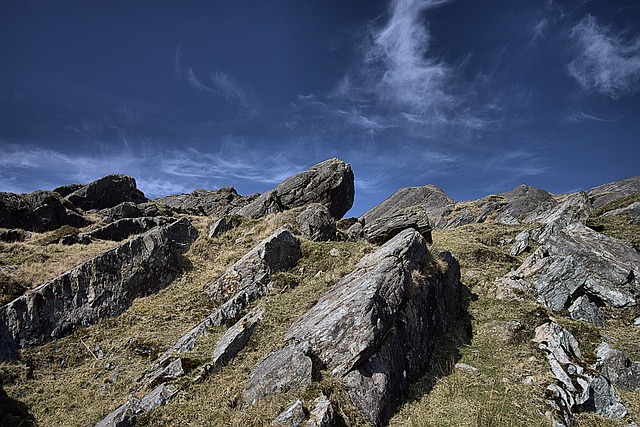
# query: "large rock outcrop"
(107, 192)
(38, 211)
(614, 190)
(218, 202)
(376, 328)
(330, 183)
(429, 197)
(101, 287)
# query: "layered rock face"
(377, 326)
(614, 190)
(107, 192)
(99, 288)
(330, 183)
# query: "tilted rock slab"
(330, 183)
(107, 192)
(218, 202)
(278, 252)
(384, 228)
(317, 224)
(377, 326)
(617, 368)
(101, 287)
(614, 190)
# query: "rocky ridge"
(277, 334)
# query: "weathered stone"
(632, 211)
(278, 252)
(317, 224)
(11, 236)
(615, 366)
(576, 389)
(329, 183)
(293, 416)
(521, 244)
(132, 210)
(125, 415)
(429, 197)
(323, 414)
(102, 287)
(384, 228)
(377, 327)
(575, 261)
(575, 210)
(107, 192)
(123, 228)
(65, 190)
(615, 190)
(280, 371)
(224, 224)
(218, 202)
(583, 309)
(355, 232)
(37, 211)
(234, 339)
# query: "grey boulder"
(330, 183)
(218, 202)
(617, 368)
(107, 192)
(316, 223)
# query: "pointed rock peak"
(330, 183)
(107, 192)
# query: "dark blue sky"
(475, 97)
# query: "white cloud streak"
(607, 62)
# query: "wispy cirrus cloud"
(607, 61)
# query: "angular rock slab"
(125, 415)
(293, 416)
(278, 252)
(575, 261)
(330, 183)
(376, 328)
(280, 371)
(617, 368)
(107, 192)
(235, 339)
(101, 287)
(384, 228)
(218, 202)
(323, 414)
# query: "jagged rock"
(384, 228)
(317, 224)
(224, 224)
(323, 414)
(218, 202)
(574, 210)
(575, 261)
(123, 228)
(355, 232)
(234, 339)
(125, 415)
(632, 211)
(11, 236)
(293, 416)
(132, 210)
(521, 244)
(377, 326)
(278, 252)
(107, 192)
(583, 309)
(576, 389)
(280, 371)
(38, 211)
(615, 190)
(330, 183)
(615, 366)
(101, 287)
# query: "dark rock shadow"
(446, 353)
(14, 413)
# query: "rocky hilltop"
(213, 308)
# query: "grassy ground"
(65, 385)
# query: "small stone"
(529, 380)
(467, 368)
(334, 252)
(323, 414)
